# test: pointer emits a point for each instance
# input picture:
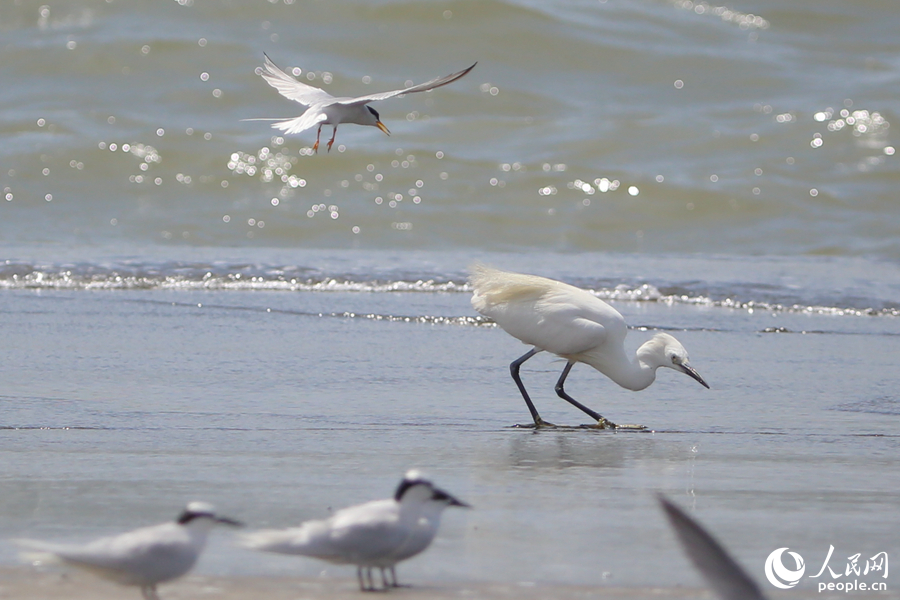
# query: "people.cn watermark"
(785, 577)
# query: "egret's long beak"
(382, 126)
(227, 521)
(691, 372)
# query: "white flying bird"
(374, 535)
(575, 325)
(325, 109)
(143, 557)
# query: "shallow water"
(282, 405)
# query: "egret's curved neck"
(632, 373)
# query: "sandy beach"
(29, 584)
(277, 411)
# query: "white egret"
(575, 325)
(143, 557)
(325, 109)
(723, 573)
(374, 535)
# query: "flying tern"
(325, 109)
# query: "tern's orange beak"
(382, 126)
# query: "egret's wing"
(422, 87)
(548, 314)
(292, 89)
(721, 571)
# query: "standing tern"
(374, 535)
(575, 325)
(325, 109)
(143, 557)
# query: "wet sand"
(121, 406)
(26, 583)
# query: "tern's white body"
(143, 557)
(325, 109)
(377, 534)
(572, 323)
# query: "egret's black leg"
(561, 392)
(514, 371)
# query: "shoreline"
(30, 583)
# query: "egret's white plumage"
(723, 573)
(143, 557)
(325, 109)
(374, 535)
(574, 324)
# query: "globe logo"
(779, 575)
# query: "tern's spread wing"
(292, 89)
(724, 575)
(422, 87)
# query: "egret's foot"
(631, 426)
(602, 423)
(316, 147)
(330, 142)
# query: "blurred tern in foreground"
(143, 557)
(325, 109)
(724, 575)
(374, 535)
(575, 325)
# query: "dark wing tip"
(729, 580)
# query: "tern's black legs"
(389, 582)
(561, 392)
(149, 592)
(367, 579)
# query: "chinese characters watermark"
(785, 578)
